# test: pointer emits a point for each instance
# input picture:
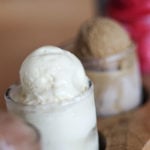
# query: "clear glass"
(15, 134)
(117, 82)
(65, 126)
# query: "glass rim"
(114, 57)
(91, 63)
(73, 100)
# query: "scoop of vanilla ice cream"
(50, 74)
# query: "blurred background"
(27, 25)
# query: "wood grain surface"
(129, 131)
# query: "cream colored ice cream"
(108, 55)
(57, 97)
(101, 37)
(50, 74)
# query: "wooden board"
(129, 131)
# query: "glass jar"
(117, 82)
(16, 134)
(69, 125)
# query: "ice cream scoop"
(50, 74)
(101, 37)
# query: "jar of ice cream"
(57, 97)
(109, 57)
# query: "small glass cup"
(67, 125)
(117, 82)
(16, 134)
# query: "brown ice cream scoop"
(101, 37)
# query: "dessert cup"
(117, 82)
(69, 125)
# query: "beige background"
(26, 25)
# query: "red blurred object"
(135, 16)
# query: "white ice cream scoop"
(50, 74)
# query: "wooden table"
(129, 131)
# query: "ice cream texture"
(100, 38)
(49, 75)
